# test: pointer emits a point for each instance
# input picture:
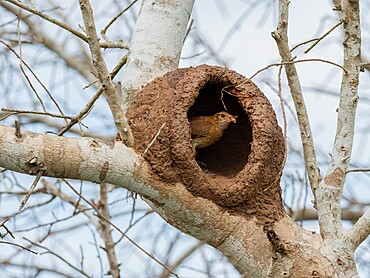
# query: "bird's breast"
(207, 139)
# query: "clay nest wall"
(240, 172)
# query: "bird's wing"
(200, 127)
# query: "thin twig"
(58, 256)
(6, 228)
(103, 32)
(302, 43)
(114, 72)
(35, 76)
(153, 141)
(323, 36)
(358, 170)
(184, 256)
(22, 69)
(316, 40)
(38, 177)
(284, 115)
(298, 61)
(16, 111)
(18, 245)
(117, 44)
(83, 112)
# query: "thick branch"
(156, 44)
(236, 236)
(112, 162)
(281, 38)
(360, 231)
(364, 59)
(330, 189)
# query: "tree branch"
(65, 26)
(364, 59)
(103, 74)
(281, 38)
(107, 233)
(360, 231)
(112, 162)
(330, 190)
(156, 45)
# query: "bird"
(207, 130)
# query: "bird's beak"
(233, 119)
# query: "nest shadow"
(229, 155)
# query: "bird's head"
(223, 119)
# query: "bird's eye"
(222, 116)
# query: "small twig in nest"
(154, 139)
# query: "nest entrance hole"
(229, 155)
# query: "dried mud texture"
(241, 172)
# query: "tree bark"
(156, 44)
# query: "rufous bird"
(207, 130)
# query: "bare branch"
(358, 170)
(107, 233)
(295, 62)
(17, 245)
(65, 26)
(331, 188)
(16, 111)
(91, 102)
(360, 231)
(103, 74)
(38, 177)
(104, 31)
(323, 36)
(281, 38)
(49, 251)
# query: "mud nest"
(242, 170)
